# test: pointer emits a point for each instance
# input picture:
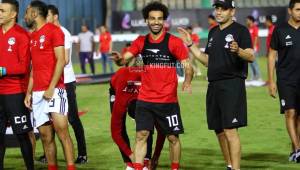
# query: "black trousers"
(74, 119)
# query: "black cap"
(224, 3)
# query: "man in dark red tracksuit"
(123, 95)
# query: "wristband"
(2, 71)
(190, 45)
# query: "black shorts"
(226, 104)
(166, 115)
(289, 97)
(14, 112)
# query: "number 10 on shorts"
(173, 120)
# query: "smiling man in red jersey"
(157, 100)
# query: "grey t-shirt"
(86, 41)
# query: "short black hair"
(53, 9)
(189, 27)
(269, 18)
(251, 18)
(292, 3)
(13, 3)
(41, 7)
(15, 6)
(155, 6)
(211, 16)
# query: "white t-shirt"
(69, 75)
(86, 41)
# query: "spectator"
(86, 48)
(105, 47)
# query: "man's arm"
(60, 64)
(93, 43)
(67, 56)
(246, 54)
(189, 72)
(99, 46)
(186, 37)
(121, 60)
(110, 43)
(78, 47)
(201, 56)
(271, 68)
(27, 100)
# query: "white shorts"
(42, 108)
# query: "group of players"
(36, 74)
(149, 92)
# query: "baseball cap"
(224, 3)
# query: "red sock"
(71, 167)
(175, 166)
(52, 167)
(146, 162)
(129, 164)
(138, 166)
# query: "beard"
(155, 32)
(29, 24)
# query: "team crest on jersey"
(229, 38)
(11, 41)
(42, 40)
(210, 42)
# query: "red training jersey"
(159, 84)
(195, 39)
(105, 40)
(212, 25)
(15, 57)
(254, 34)
(269, 37)
(42, 44)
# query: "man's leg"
(140, 148)
(33, 142)
(60, 124)
(110, 63)
(160, 140)
(234, 144)
(104, 60)
(291, 125)
(2, 150)
(74, 120)
(91, 61)
(224, 146)
(48, 141)
(175, 151)
(82, 62)
(256, 70)
(26, 149)
(298, 127)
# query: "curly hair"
(155, 6)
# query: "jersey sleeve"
(245, 41)
(58, 37)
(208, 38)
(177, 48)
(137, 46)
(274, 44)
